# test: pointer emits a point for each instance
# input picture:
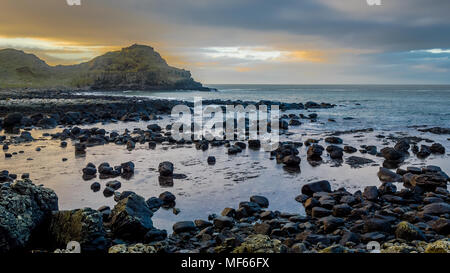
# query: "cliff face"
(133, 68)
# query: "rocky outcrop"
(84, 226)
(137, 67)
(131, 218)
(24, 209)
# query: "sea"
(392, 111)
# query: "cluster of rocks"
(73, 109)
(414, 219)
(125, 170)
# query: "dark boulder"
(437, 148)
(12, 120)
(84, 226)
(223, 222)
(165, 168)
(184, 226)
(131, 218)
(385, 175)
(319, 186)
(409, 232)
(333, 140)
(24, 208)
(262, 201)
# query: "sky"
(247, 41)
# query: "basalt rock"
(84, 226)
(131, 218)
(24, 209)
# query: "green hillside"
(137, 67)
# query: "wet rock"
(414, 170)
(82, 225)
(254, 144)
(250, 207)
(154, 203)
(201, 224)
(315, 152)
(318, 212)
(155, 235)
(424, 152)
(387, 188)
(89, 171)
(167, 197)
(430, 181)
(441, 226)
(108, 192)
(260, 244)
(437, 130)
(391, 154)
(372, 236)
(228, 212)
(95, 186)
(291, 160)
(441, 246)
(335, 152)
(24, 208)
(211, 160)
(234, 150)
(151, 145)
(47, 123)
(408, 232)
(342, 210)
(154, 127)
(165, 168)
(114, 184)
(350, 149)
(331, 223)
(350, 237)
(223, 222)
(371, 193)
(184, 226)
(376, 224)
(13, 119)
(437, 148)
(262, 201)
(402, 146)
(333, 140)
(356, 161)
(127, 167)
(135, 248)
(385, 175)
(319, 186)
(131, 218)
(436, 208)
(262, 228)
(295, 122)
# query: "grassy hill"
(137, 67)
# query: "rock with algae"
(336, 249)
(408, 231)
(399, 248)
(260, 244)
(441, 246)
(137, 248)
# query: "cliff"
(137, 67)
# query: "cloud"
(280, 41)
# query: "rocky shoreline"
(415, 218)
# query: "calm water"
(209, 189)
(382, 107)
